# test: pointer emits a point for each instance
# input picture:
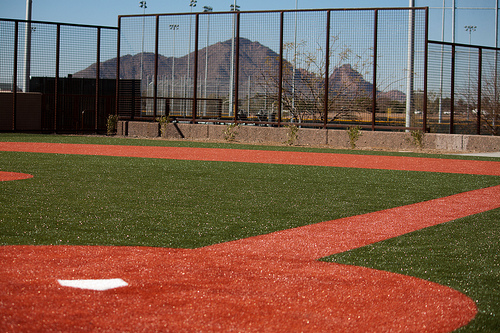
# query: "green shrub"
(111, 124)
(354, 134)
(292, 135)
(231, 132)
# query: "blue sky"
(105, 12)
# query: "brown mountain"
(255, 61)
(252, 56)
(393, 95)
(347, 81)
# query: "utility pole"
(142, 4)
(470, 29)
(411, 60)
(27, 47)
(206, 9)
(294, 58)
(234, 8)
(192, 4)
(174, 28)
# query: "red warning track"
(263, 156)
(268, 283)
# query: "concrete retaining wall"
(396, 141)
(142, 129)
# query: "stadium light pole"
(27, 47)
(234, 8)
(453, 15)
(495, 109)
(192, 4)
(294, 58)
(206, 9)
(173, 27)
(470, 29)
(142, 4)
(440, 111)
(411, 64)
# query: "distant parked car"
(483, 112)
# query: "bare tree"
(490, 115)
(303, 85)
(467, 106)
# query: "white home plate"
(99, 285)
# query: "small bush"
(231, 131)
(111, 124)
(354, 134)
(163, 120)
(418, 138)
(292, 134)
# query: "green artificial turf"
(75, 199)
(100, 200)
(462, 254)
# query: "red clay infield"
(268, 283)
(6, 176)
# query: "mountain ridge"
(344, 80)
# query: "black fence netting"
(317, 68)
(463, 95)
(372, 68)
(56, 77)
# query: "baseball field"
(128, 235)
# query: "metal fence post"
(117, 85)
(195, 69)
(280, 69)
(97, 75)
(452, 88)
(14, 77)
(374, 87)
(426, 64)
(327, 69)
(56, 86)
(236, 67)
(410, 75)
(479, 83)
(155, 75)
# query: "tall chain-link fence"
(317, 68)
(463, 92)
(52, 76)
(373, 68)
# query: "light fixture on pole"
(206, 9)
(173, 27)
(470, 29)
